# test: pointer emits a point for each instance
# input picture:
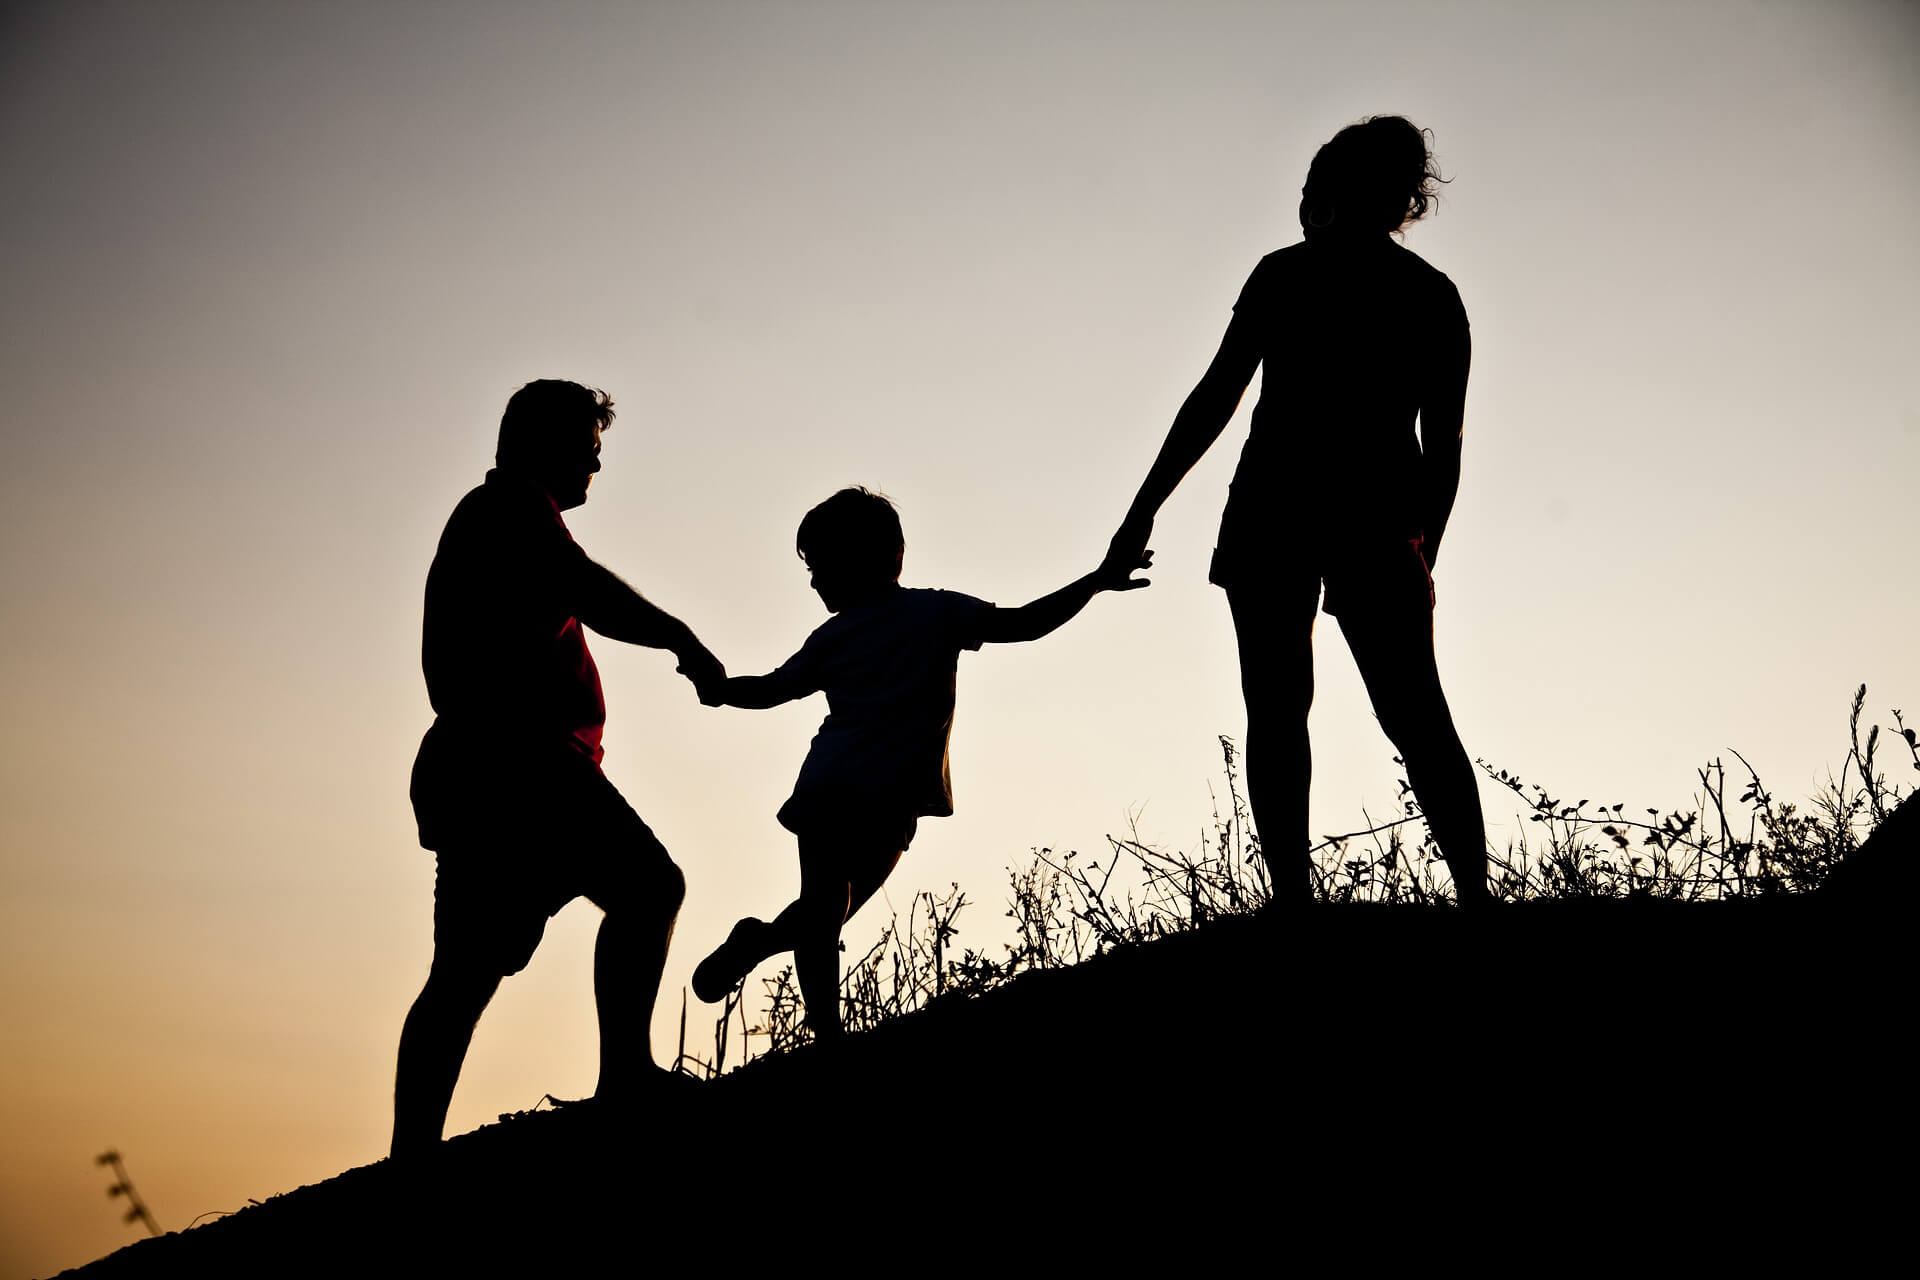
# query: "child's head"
(852, 545)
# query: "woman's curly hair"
(1374, 176)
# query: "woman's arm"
(1198, 424)
(1442, 422)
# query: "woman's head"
(1373, 178)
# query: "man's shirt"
(505, 657)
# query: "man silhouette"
(507, 785)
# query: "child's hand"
(1117, 575)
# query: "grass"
(1067, 908)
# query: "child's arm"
(754, 693)
(1050, 612)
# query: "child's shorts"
(859, 820)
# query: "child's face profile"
(842, 583)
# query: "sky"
(272, 271)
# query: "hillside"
(1623, 1073)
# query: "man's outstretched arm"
(615, 610)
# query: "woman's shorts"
(1385, 576)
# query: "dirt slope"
(1600, 1075)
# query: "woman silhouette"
(1359, 338)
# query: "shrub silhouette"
(1067, 908)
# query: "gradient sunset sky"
(272, 271)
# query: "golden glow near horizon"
(273, 274)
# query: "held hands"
(708, 674)
(1125, 554)
(1115, 575)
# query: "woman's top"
(1355, 339)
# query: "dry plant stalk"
(1066, 908)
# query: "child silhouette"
(886, 661)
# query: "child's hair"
(855, 530)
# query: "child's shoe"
(731, 961)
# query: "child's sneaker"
(731, 961)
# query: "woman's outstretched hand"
(1128, 552)
(1115, 575)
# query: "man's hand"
(708, 674)
(1118, 576)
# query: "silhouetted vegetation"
(1067, 908)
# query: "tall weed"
(1066, 908)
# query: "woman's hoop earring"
(1317, 222)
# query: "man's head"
(852, 545)
(550, 433)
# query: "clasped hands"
(1126, 554)
(707, 673)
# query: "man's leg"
(1274, 630)
(1392, 642)
(628, 957)
(626, 872)
(433, 1045)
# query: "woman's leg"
(1274, 628)
(1392, 641)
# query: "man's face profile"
(569, 469)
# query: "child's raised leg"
(840, 868)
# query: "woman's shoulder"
(1286, 258)
(1411, 261)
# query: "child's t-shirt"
(887, 669)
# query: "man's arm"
(615, 610)
(1199, 423)
(1052, 611)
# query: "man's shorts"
(1386, 577)
(515, 842)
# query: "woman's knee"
(1421, 729)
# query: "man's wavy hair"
(541, 415)
(1374, 176)
(855, 530)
